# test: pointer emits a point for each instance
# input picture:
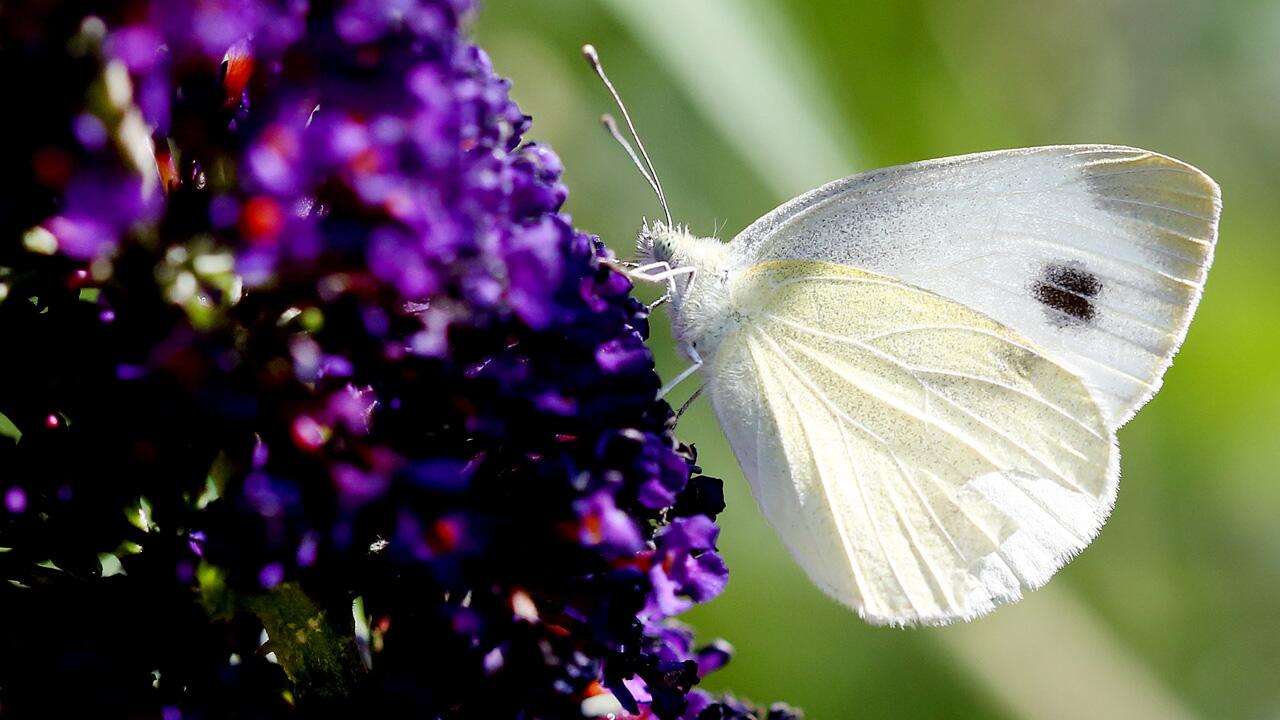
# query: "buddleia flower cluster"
(311, 400)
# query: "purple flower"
(731, 708)
(534, 269)
(271, 575)
(603, 525)
(300, 302)
(97, 209)
(686, 568)
(623, 355)
(356, 486)
(15, 499)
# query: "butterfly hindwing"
(922, 461)
(1096, 253)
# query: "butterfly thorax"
(701, 312)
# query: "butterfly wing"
(1096, 253)
(921, 461)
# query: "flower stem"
(316, 648)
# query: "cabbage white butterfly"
(921, 369)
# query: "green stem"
(316, 649)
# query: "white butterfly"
(921, 369)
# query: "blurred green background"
(1175, 610)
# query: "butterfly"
(921, 369)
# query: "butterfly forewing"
(921, 460)
(1096, 253)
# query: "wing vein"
(1113, 258)
(871, 517)
(863, 388)
(1034, 261)
(915, 369)
(1091, 299)
(1144, 204)
(1053, 470)
(841, 528)
(1081, 540)
(1127, 240)
(917, 547)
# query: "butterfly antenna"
(593, 59)
(612, 126)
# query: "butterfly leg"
(641, 273)
(684, 407)
(697, 363)
(643, 269)
(667, 274)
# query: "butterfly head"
(659, 242)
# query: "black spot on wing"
(1068, 291)
(1073, 279)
